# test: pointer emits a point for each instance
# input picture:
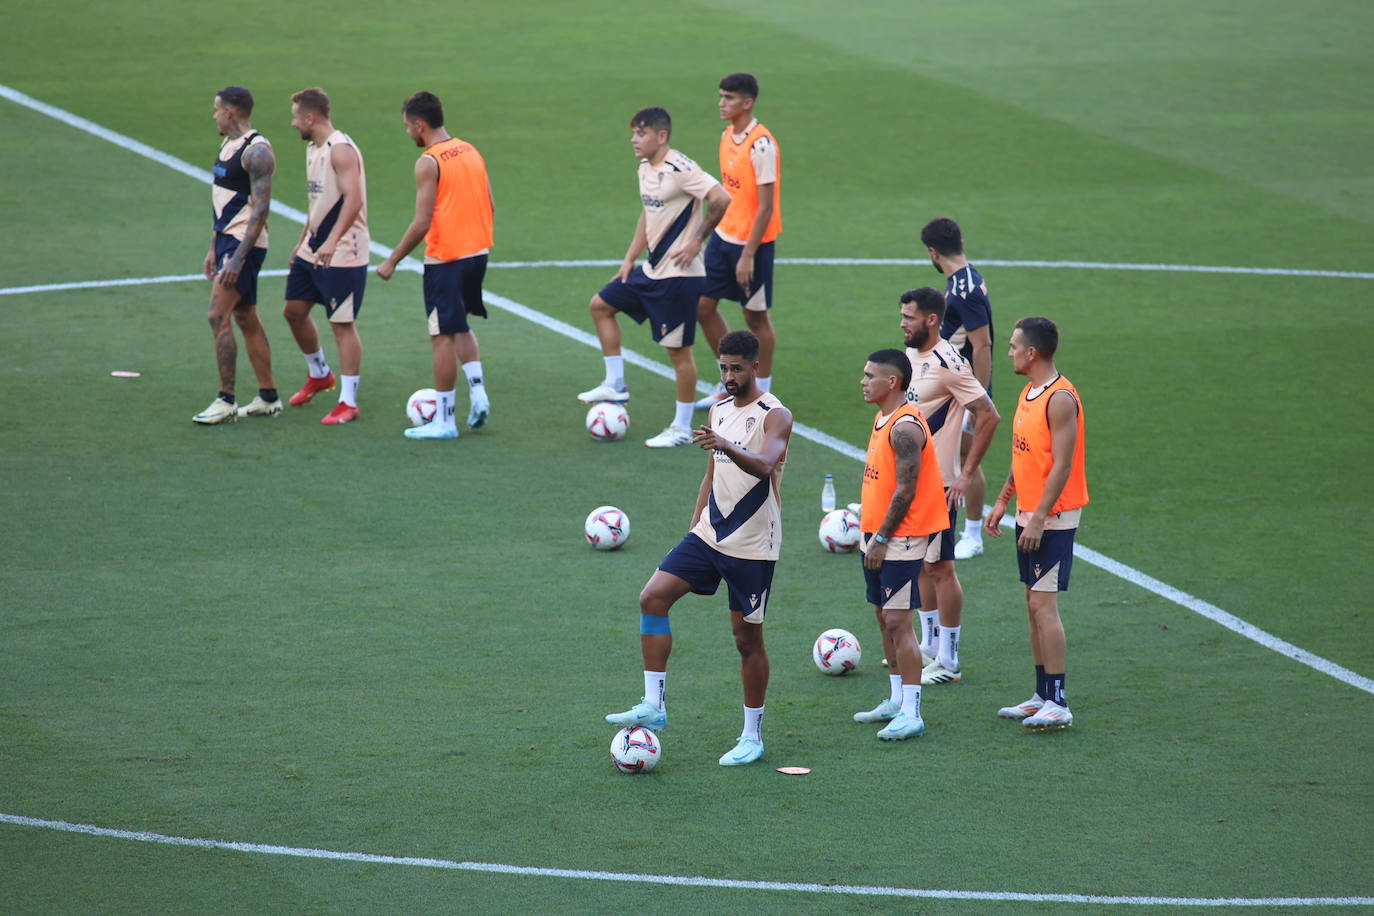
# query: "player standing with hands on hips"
(1048, 480)
(736, 533)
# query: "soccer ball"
(836, 652)
(607, 528)
(422, 406)
(635, 750)
(839, 531)
(608, 421)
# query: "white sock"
(683, 414)
(896, 695)
(348, 394)
(316, 364)
(911, 700)
(765, 382)
(753, 723)
(444, 414)
(655, 683)
(473, 371)
(949, 647)
(973, 528)
(615, 370)
(930, 630)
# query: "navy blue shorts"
(338, 289)
(1047, 568)
(670, 304)
(893, 586)
(722, 258)
(748, 581)
(247, 285)
(453, 291)
(946, 539)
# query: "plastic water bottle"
(828, 493)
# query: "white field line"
(1149, 583)
(678, 880)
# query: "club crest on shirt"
(749, 425)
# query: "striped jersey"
(672, 193)
(743, 514)
(233, 187)
(327, 201)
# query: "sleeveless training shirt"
(1031, 454)
(743, 514)
(327, 201)
(232, 187)
(928, 512)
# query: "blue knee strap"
(655, 625)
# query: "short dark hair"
(741, 84)
(425, 106)
(927, 299)
(237, 97)
(740, 343)
(894, 359)
(654, 118)
(313, 99)
(944, 236)
(1040, 333)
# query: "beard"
(919, 339)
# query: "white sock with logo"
(753, 723)
(930, 631)
(348, 392)
(316, 364)
(473, 371)
(682, 415)
(655, 683)
(911, 700)
(444, 414)
(896, 695)
(949, 647)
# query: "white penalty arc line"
(1121, 570)
(859, 890)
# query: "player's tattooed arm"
(717, 202)
(906, 439)
(259, 162)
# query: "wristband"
(880, 539)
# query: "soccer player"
(943, 388)
(903, 512)
(735, 535)
(739, 257)
(330, 265)
(454, 214)
(1051, 488)
(674, 190)
(968, 325)
(240, 199)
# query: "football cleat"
(747, 750)
(260, 408)
(219, 411)
(880, 713)
(902, 727)
(718, 393)
(312, 387)
(671, 437)
(1022, 710)
(604, 392)
(432, 430)
(936, 673)
(1051, 715)
(967, 548)
(342, 413)
(642, 713)
(480, 411)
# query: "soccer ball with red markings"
(839, 531)
(836, 652)
(607, 528)
(608, 421)
(635, 750)
(422, 406)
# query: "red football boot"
(312, 387)
(342, 413)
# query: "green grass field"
(281, 634)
